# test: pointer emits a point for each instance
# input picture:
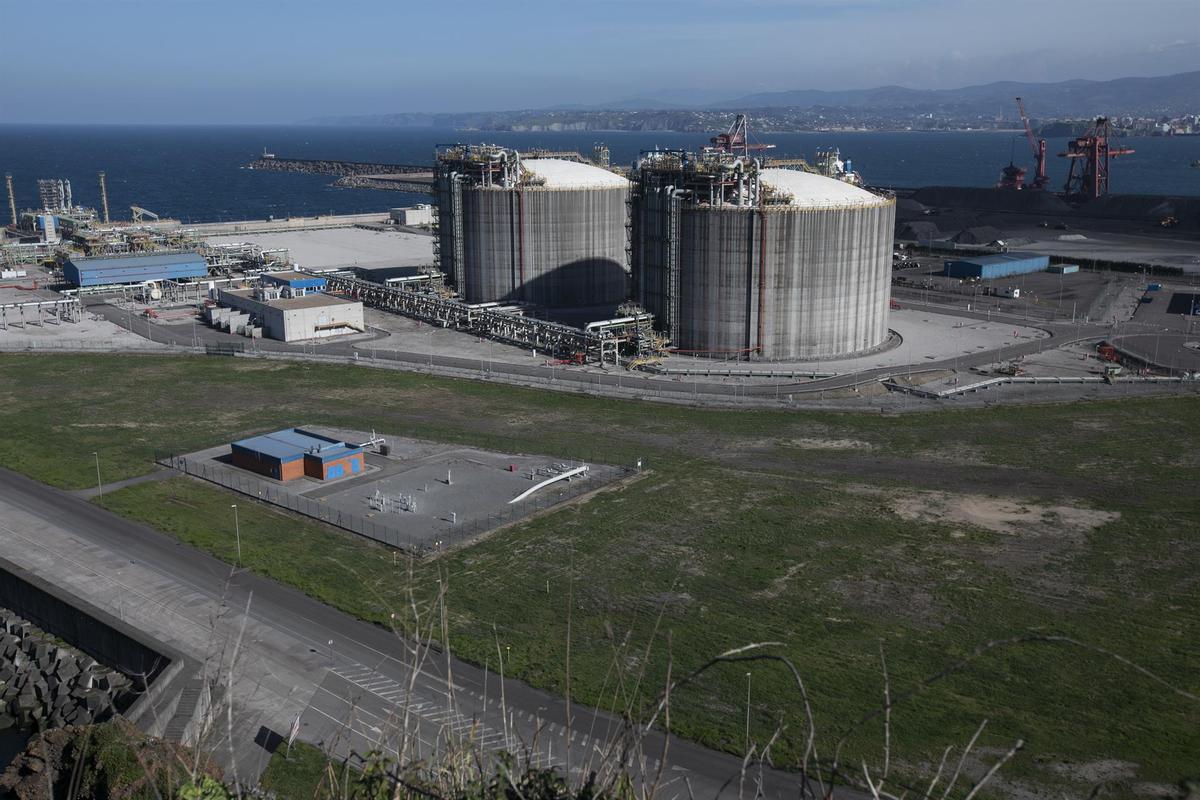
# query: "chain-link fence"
(98, 345)
(679, 390)
(444, 534)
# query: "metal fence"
(98, 345)
(426, 541)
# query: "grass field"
(830, 533)
(303, 774)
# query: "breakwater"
(316, 166)
(44, 682)
(56, 633)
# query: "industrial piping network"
(551, 337)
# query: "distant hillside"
(1170, 94)
(811, 109)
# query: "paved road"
(355, 686)
(159, 474)
(619, 378)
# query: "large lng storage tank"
(775, 264)
(546, 231)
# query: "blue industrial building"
(109, 270)
(1000, 265)
(299, 283)
(294, 453)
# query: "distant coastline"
(144, 164)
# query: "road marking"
(189, 594)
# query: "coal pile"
(977, 199)
(45, 683)
(918, 231)
(1146, 208)
(979, 234)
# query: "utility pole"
(99, 485)
(747, 712)
(237, 532)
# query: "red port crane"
(1040, 179)
(736, 139)
(1090, 156)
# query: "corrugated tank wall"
(553, 247)
(834, 281)
(824, 290)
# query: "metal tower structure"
(103, 197)
(12, 202)
(1040, 179)
(1091, 156)
(50, 193)
(736, 139)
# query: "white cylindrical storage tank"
(802, 272)
(551, 233)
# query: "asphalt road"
(354, 685)
(1061, 333)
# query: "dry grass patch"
(1006, 515)
(827, 444)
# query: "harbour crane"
(736, 139)
(139, 214)
(1040, 179)
(1091, 155)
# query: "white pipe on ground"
(568, 474)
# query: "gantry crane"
(1090, 156)
(736, 139)
(1040, 179)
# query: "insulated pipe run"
(563, 477)
(521, 237)
(762, 273)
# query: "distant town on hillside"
(1155, 106)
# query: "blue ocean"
(195, 173)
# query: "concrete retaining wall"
(99, 634)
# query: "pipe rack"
(551, 337)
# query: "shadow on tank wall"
(585, 282)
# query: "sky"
(266, 61)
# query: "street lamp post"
(99, 485)
(237, 532)
(747, 712)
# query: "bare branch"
(1020, 743)
(938, 775)
(962, 759)
(887, 715)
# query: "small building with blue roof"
(296, 453)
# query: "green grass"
(748, 529)
(302, 773)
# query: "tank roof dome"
(559, 173)
(809, 190)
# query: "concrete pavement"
(354, 686)
(575, 379)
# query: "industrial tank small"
(546, 231)
(779, 264)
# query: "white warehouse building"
(289, 307)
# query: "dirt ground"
(1007, 515)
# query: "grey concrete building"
(314, 315)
